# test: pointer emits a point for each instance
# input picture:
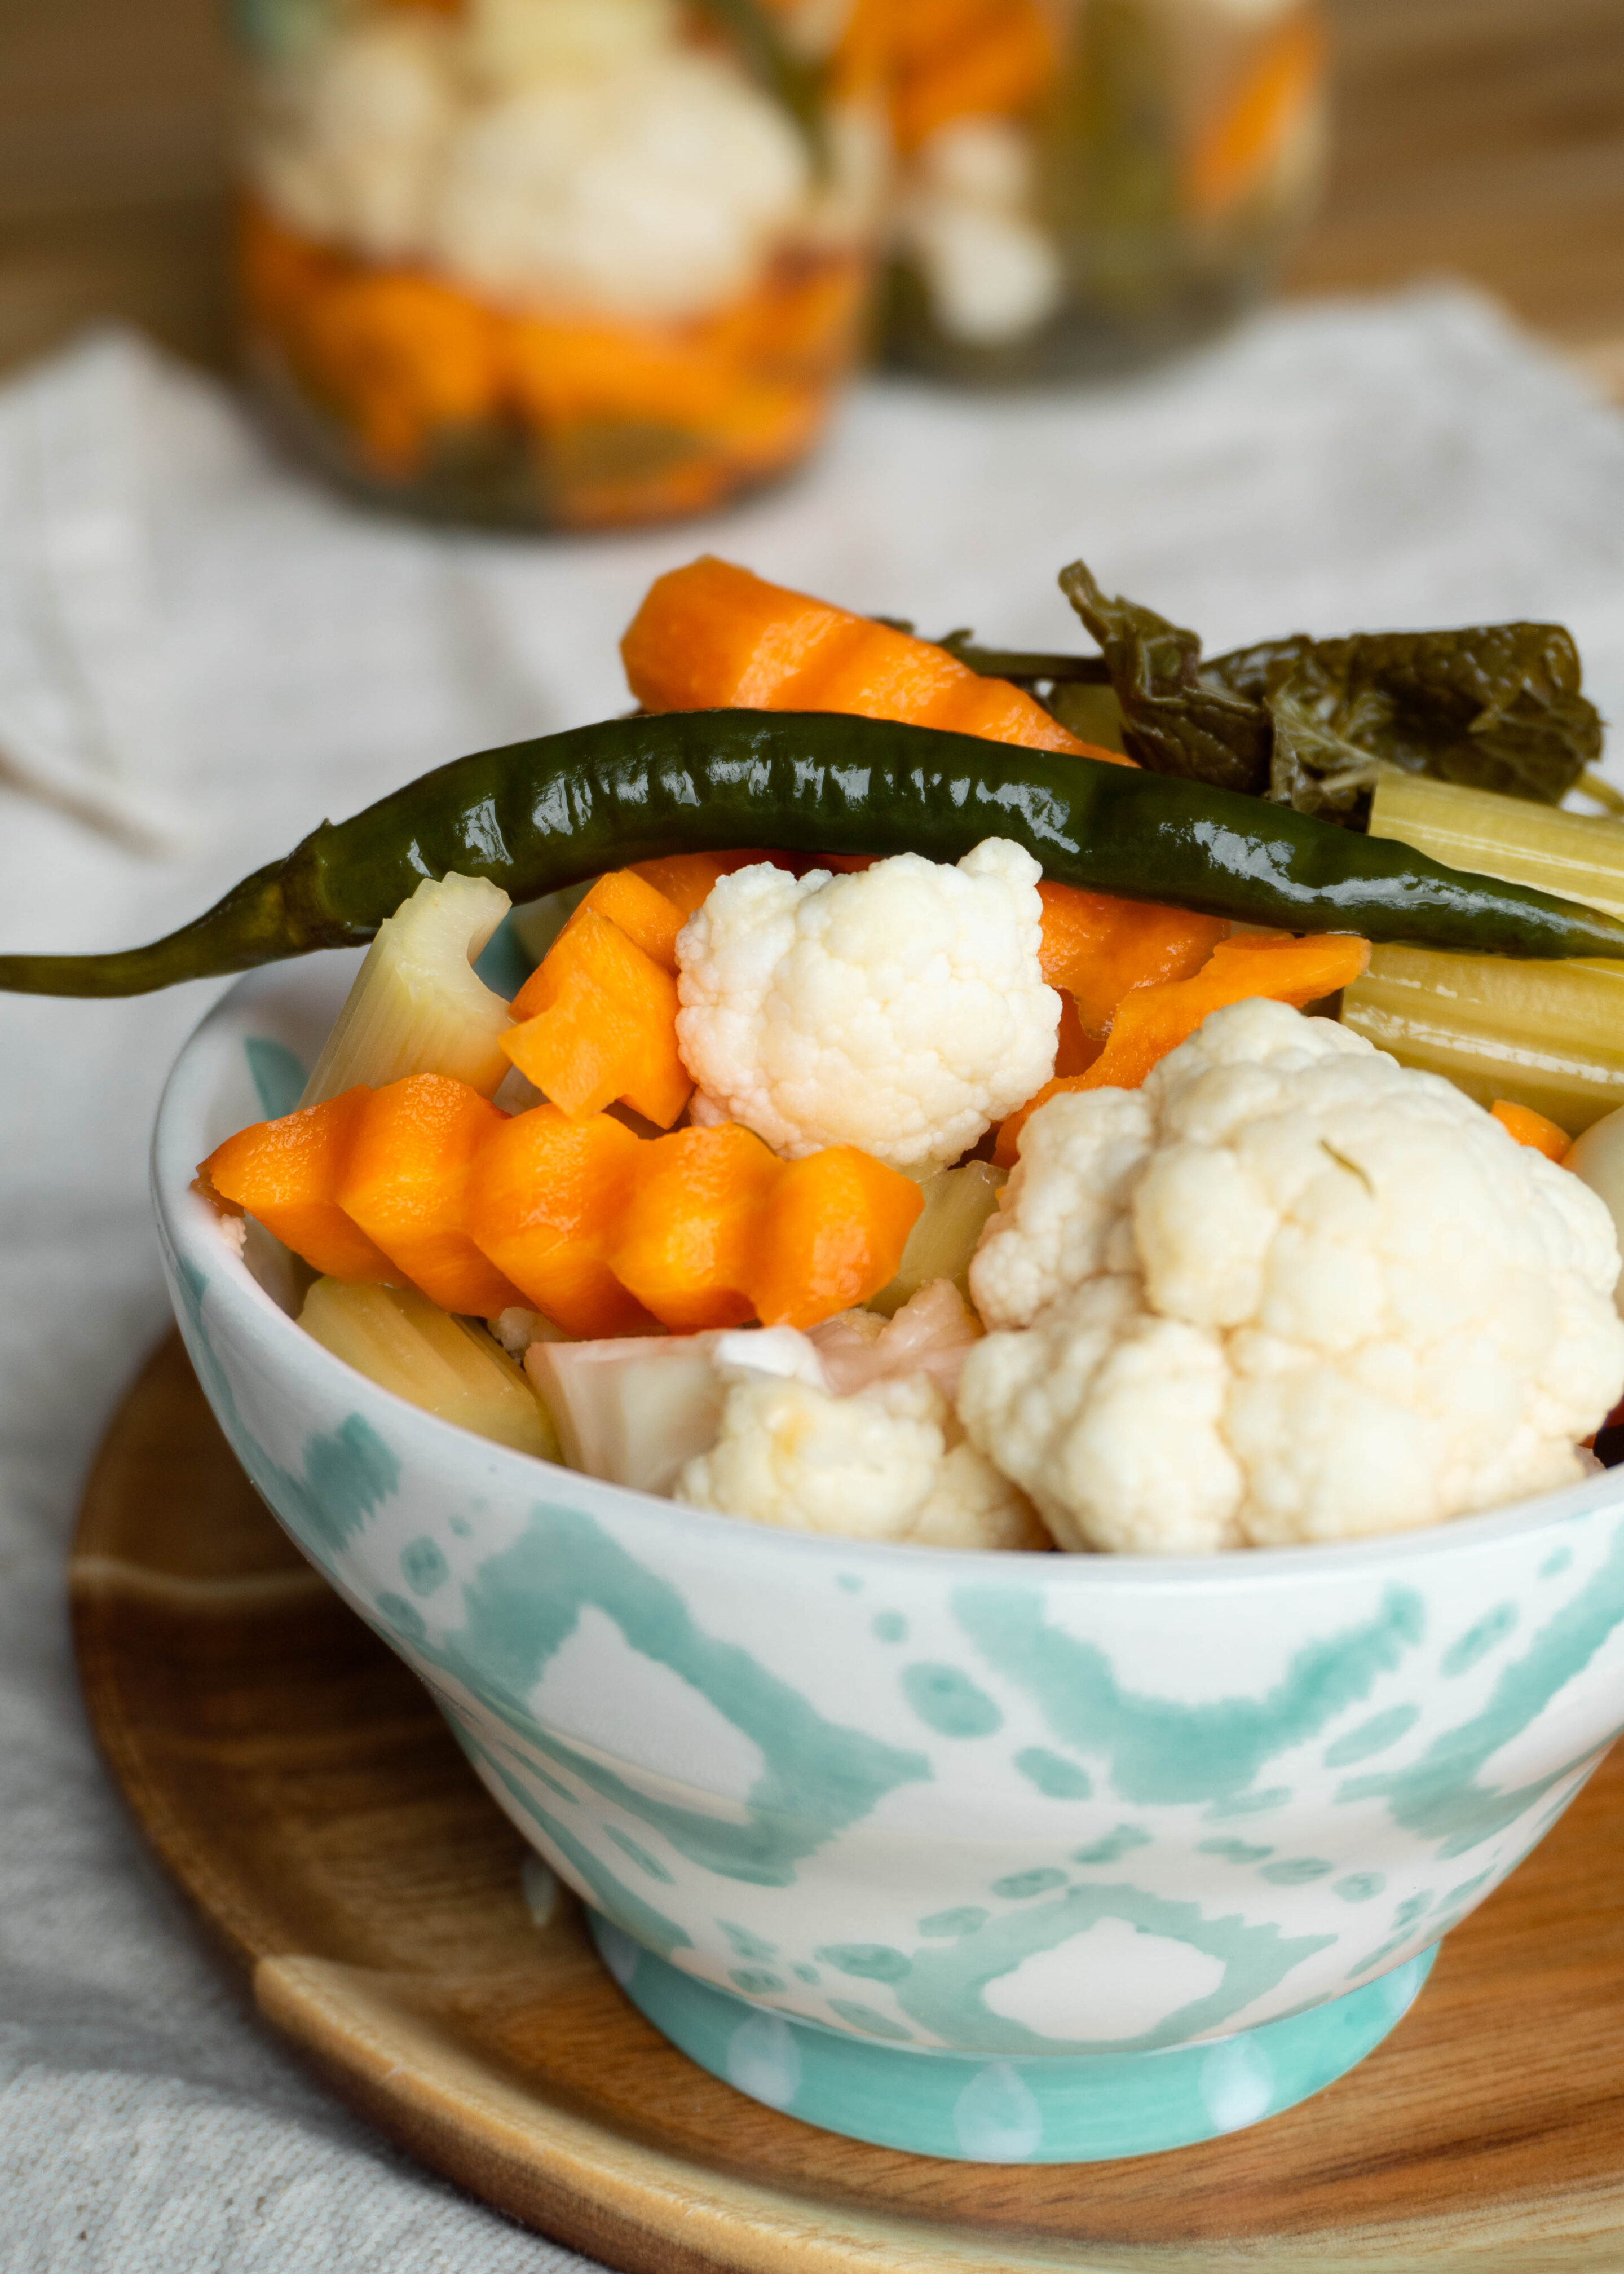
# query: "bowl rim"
(189, 1221)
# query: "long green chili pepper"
(539, 815)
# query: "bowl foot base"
(1042, 2108)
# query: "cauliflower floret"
(901, 1009)
(650, 189)
(879, 1465)
(1289, 1290)
(992, 272)
(507, 42)
(992, 276)
(352, 134)
(1059, 1218)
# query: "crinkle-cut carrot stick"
(712, 636)
(689, 1236)
(649, 918)
(967, 58)
(406, 1183)
(287, 1174)
(831, 1235)
(1097, 947)
(544, 1198)
(1153, 1020)
(1234, 154)
(598, 1024)
(1531, 1128)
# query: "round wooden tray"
(302, 1789)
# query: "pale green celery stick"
(1580, 856)
(1546, 1034)
(447, 1366)
(418, 1006)
(957, 1202)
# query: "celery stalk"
(957, 1202)
(417, 1006)
(1546, 1034)
(449, 1366)
(1579, 856)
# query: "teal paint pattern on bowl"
(1024, 2110)
(1010, 1809)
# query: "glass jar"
(564, 263)
(1083, 184)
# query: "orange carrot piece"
(689, 1234)
(644, 913)
(831, 1235)
(1531, 1128)
(713, 635)
(798, 323)
(287, 1174)
(404, 356)
(566, 372)
(990, 60)
(598, 1024)
(687, 879)
(1233, 155)
(277, 269)
(405, 1188)
(1097, 947)
(545, 1196)
(1075, 1048)
(1153, 1020)
(769, 427)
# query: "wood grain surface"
(1480, 138)
(302, 1789)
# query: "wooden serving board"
(300, 1786)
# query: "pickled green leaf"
(1176, 718)
(1494, 706)
(1308, 723)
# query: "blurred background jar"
(557, 263)
(1085, 184)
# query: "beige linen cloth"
(201, 653)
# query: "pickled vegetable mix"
(578, 262)
(923, 1123)
(1086, 184)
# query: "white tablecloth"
(201, 653)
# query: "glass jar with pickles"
(557, 263)
(1083, 184)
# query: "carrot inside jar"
(579, 266)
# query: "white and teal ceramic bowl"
(1009, 1857)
